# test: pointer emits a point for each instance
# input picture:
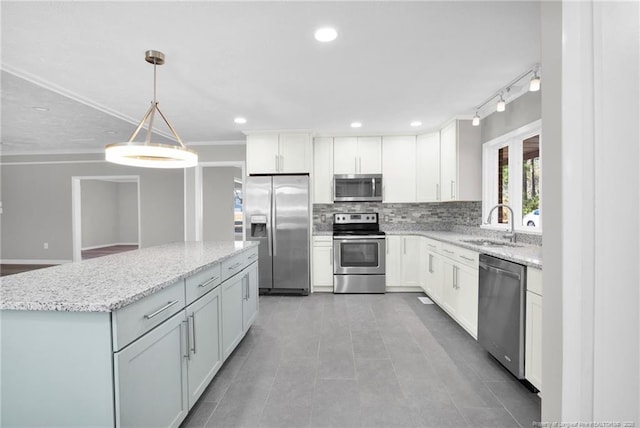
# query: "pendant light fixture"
(148, 154)
(476, 120)
(501, 104)
(534, 83)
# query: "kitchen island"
(130, 339)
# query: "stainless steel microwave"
(357, 188)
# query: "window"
(512, 176)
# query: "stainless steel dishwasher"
(501, 311)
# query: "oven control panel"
(355, 218)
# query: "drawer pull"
(253, 256)
(447, 251)
(235, 266)
(431, 245)
(215, 278)
(467, 258)
(164, 308)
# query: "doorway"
(105, 215)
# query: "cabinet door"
(205, 356)
(393, 260)
(399, 169)
(345, 154)
(428, 170)
(449, 287)
(250, 297)
(323, 264)
(434, 278)
(151, 377)
(262, 154)
(411, 261)
(448, 162)
(323, 171)
(533, 340)
(295, 153)
(231, 314)
(369, 155)
(467, 280)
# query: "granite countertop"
(530, 255)
(108, 283)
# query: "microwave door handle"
(373, 186)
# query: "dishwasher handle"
(499, 271)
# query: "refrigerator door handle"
(269, 227)
(274, 212)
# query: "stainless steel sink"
(491, 243)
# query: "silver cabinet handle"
(253, 256)
(277, 166)
(193, 328)
(430, 263)
(205, 284)
(355, 165)
(164, 308)
(188, 355)
(234, 266)
(431, 245)
(281, 163)
(248, 288)
(467, 258)
(359, 164)
(455, 277)
(437, 191)
(453, 189)
(447, 251)
(404, 245)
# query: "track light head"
(500, 107)
(534, 84)
(476, 120)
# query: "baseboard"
(323, 289)
(33, 262)
(108, 245)
(404, 289)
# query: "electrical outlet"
(45, 245)
(323, 218)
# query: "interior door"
(290, 232)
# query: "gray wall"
(127, 213)
(520, 112)
(36, 199)
(217, 187)
(99, 213)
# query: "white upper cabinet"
(323, 170)
(357, 155)
(284, 153)
(460, 162)
(428, 167)
(399, 169)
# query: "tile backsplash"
(458, 216)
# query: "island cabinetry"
(144, 364)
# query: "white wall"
(127, 213)
(590, 115)
(218, 185)
(99, 213)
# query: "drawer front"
(251, 256)
(433, 245)
(323, 241)
(468, 257)
(134, 320)
(202, 282)
(233, 265)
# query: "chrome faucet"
(511, 235)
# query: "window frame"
(490, 149)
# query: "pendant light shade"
(534, 84)
(148, 154)
(501, 104)
(476, 120)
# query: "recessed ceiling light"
(356, 124)
(240, 120)
(416, 123)
(326, 34)
(110, 132)
(41, 108)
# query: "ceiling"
(74, 76)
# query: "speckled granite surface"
(530, 255)
(108, 283)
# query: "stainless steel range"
(358, 253)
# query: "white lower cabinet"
(205, 356)
(151, 377)
(402, 261)
(533, 328)
(322, 263)
(467, 279)
(432, 269)
(250, 297)
(232, 317)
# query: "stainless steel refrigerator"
(277, 215)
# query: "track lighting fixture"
(501, 104)
(534, 84)
(476, 120)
